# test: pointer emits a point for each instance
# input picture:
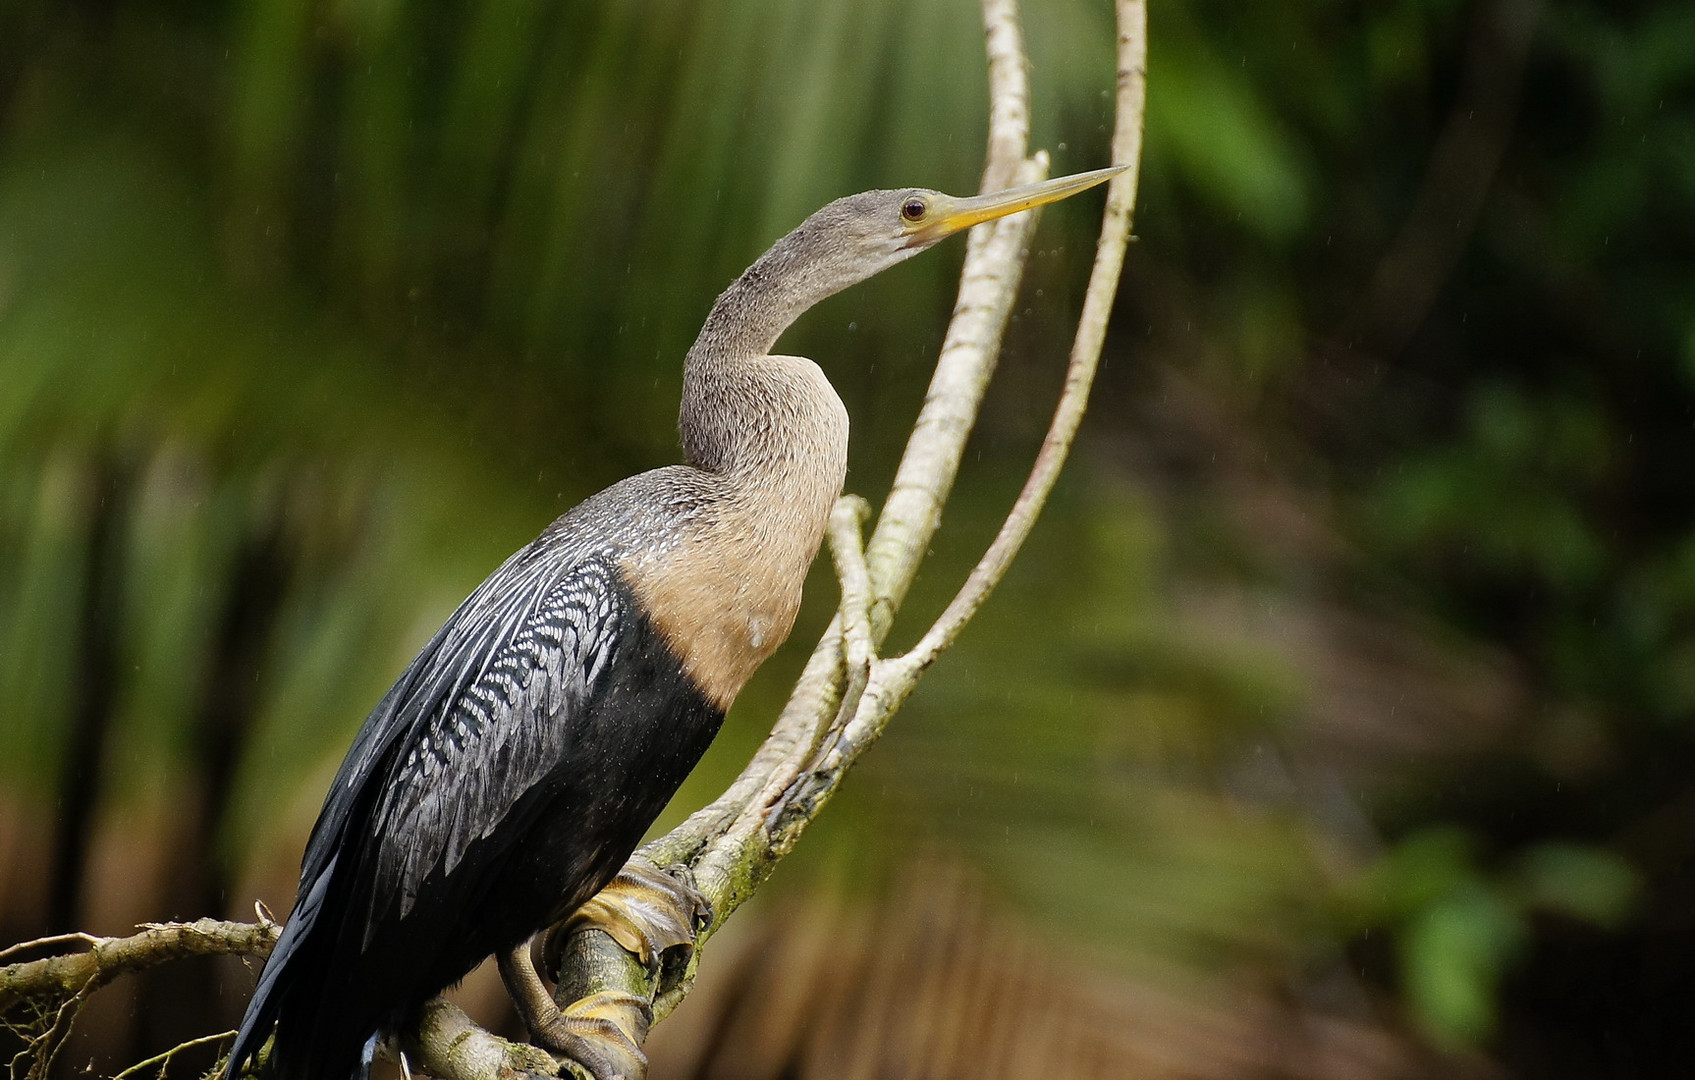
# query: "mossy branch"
(40, 999)
(103, 959)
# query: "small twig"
(164, 1058)
(848, 551)
(78, 938)
(46, 1046)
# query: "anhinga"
(507, 776)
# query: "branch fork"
(847, 693)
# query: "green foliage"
(1458, 926)
(1507, 489)
(1208, 122)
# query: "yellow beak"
(953, 215)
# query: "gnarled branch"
(67, 974)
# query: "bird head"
(850, 240)
(926, 217)
(856, 237)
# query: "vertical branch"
(892, 680)
(1009, 93)
(1085, 347)
(994, 264)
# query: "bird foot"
(596, 1033)
(645, 910)
(601, 1032)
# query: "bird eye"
(914, 209)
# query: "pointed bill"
(954, 214)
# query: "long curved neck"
(768, 436)
(742, 411)
(748, 317)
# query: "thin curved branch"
(165, 1058)
(994, 263)
(74, 938)
(1085, 347)
(848, 551)
(734, 844)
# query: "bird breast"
(725, 594)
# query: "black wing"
(474, 722)
(474, 750)
(477, 720)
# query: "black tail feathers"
(289, 990)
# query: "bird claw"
(595, 1033)
(645, 910)
(601, 1032)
